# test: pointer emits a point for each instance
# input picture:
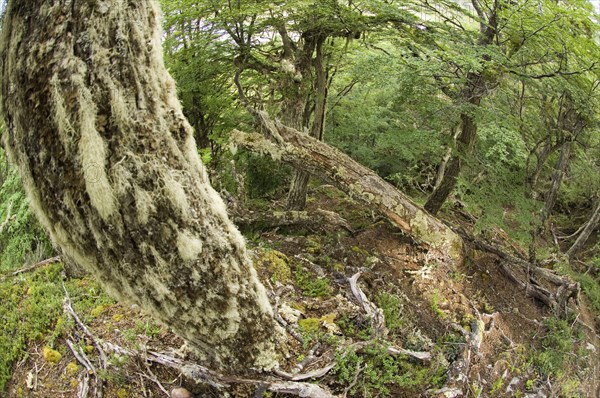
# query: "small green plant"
(392, 311)
(310, 285)
(496, 386)
(374, 373)
(32, 310)
(436, 299)
(557, 347)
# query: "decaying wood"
(372, 311)
(458, 374)
(37, 265)
(331, 165)
(273, 219)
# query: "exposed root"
(375, 313)
(194, 371)
(557, 301)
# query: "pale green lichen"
(189, 246)
(176, 194)
(144, 205)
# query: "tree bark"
(296, 199)
(110, 166)
(557, 177)
(452, 167)
(590, 226)
(327, 163)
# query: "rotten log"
(331, 165)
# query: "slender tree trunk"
(557, 177)
(110, 166)
(441, 171)
(361, 183)
(296, 199)
(547, 150)
(590, 226)
(465, 142)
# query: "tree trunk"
(330, 164)
(465, 142)
(590, 226)
(557, 177)
(110, 166)
(296, 199)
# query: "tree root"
(193, 371)
(557, 301)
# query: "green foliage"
(589, 285)
(392, 311)
(32, 311)
(22, 240)
(376, 373)
(557, 348)
(264, 176)
(311, 285)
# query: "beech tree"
(111, 170)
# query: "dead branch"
(395, 351)
(68, 308)
(36, 265)
(84, 377)
(334, 167)
(375, 313)
(458, 378)
(201, 374)
(557, 301)
(588, 228)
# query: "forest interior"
(357, 198)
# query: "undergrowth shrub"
(375, 373)
(32, 311)
(22, 239)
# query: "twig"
(84, 378)
(310, 357)
(420, 355)
(359, 370)
(36, 265)
(69, 309)
(153, 379)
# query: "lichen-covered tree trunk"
(111, 169)
(330, 164)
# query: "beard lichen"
(111, 169)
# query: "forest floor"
(431, 307)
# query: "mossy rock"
(276, 264)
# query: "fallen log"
(331, 165)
